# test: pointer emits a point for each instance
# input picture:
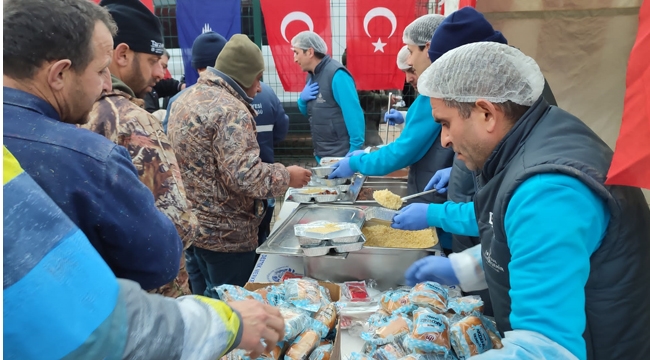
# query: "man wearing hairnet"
(329, 99)
(462, 27)
(566, 259)
(419, 146)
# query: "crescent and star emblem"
(388, 14)
(295, 16)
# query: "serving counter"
(387, 264)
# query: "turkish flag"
(631, 162)
(284, 19)
(374, 37)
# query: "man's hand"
(259, 321)
(298, 177)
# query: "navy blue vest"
(549, 140)
(328, 131)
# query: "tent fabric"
(582, 47)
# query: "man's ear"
(490, 114)
(122, 54)
(57, 73)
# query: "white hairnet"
(421, 30)
(402, 56)
(309, 39)
(484, 70)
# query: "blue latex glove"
(393, 117)
(355, 153)
(439, 181)
(431, 268)
(310, 92)
(342, 169)
(412, 217)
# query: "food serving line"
(347, 204)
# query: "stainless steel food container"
(346, 233)
(325, 246)
(350, 247)
(329, 161)
(385, 265)
(322, 171)
(309, 241)
(302, 198)
(326, 198)
(333, 182)
(311, 251)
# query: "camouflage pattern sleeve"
(237, 156)
(129, 125)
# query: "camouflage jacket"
(212, 130)
(120, 116)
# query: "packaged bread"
(496, 339)
(274, 354)
(303, 345)
(295, 321)
(396, 301)
(470, 337)
(385, 331)
(466, 305)
(431, 295)
(230, 293)
(323, 351)
(237, 354)
(430, 332)
(394, 350)
(326, 316)
(378, 317)
(303, 293)
(325, 297)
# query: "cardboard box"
(335, 294)
(270, 268)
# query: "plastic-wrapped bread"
(323, 351)
(469, 337)
(430, 333)
(430, 295)
(326, 316)
(466, 305)
(274, 354)
(303, 346)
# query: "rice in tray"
(387, 199)
(386, 236)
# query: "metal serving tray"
(284, 241)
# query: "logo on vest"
(491, 262)
(320, 99)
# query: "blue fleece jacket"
(95, 183)
(554, 223)
(420, 131)
(345, 94)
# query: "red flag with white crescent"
(284, 19)
(374, 37)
